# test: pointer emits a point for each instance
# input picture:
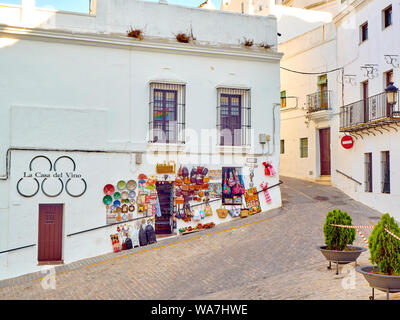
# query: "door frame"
(320, 149)
(54, 262)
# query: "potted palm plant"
(338, 240)
(384, 246)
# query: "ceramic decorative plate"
(109, 189)
(132, 201)
(132, 194)
(107, 200)
(126, 201)
(131, 185)
(131, 208)
(121, 185)
(124, 195)
(117, 195)
(117, 203)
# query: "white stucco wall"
(312, 52)
(84, 90)
(352, 55)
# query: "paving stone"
(266, 256)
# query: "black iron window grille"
(167, 113)
(234, 117)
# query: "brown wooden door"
(50, 232)
(325, 150)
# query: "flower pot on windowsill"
(383, 282)
(350, 254)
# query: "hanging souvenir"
(117, 195)
(124, 208)
(109, 189)
(124, 195)
(117, 203)
(208, 210)
(180, 171)
(131, 185)
(121, 185)
(107, 200)
(132, 194)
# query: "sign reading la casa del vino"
(63, 177)
(54, 175)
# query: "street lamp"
(391, 93)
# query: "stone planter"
(385, 283)
(341, 257)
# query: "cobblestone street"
(266, 256)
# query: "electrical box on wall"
(263, 138)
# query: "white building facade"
(333, 82)
(84, 107)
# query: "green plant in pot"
(384, 275)
(384, 248)
(338, 240)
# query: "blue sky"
(83, 5)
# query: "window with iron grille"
(304, 148)
(167, 113)
(234, 117)
(368, 172)
(385, 165)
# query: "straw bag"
(222, 213)
(244, 213)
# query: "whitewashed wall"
(353, 55)
(313, 51)
(82, 91)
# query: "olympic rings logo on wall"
(52, 173)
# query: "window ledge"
(234, 149)
(166, 147)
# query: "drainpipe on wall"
(275, 105)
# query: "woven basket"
(222, 213)
(244, 213)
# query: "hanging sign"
(347, 142)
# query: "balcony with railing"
(319, 105)
(368, 113)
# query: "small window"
(385, 164)
(304, 148)
(388, 76)
(282, 146)
(368, 172)
(283, 99)
(242, 7)
(364, 32)
(167, 113)
(387, 17)
(234, 117)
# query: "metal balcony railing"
(319, 101)
(371, 112)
